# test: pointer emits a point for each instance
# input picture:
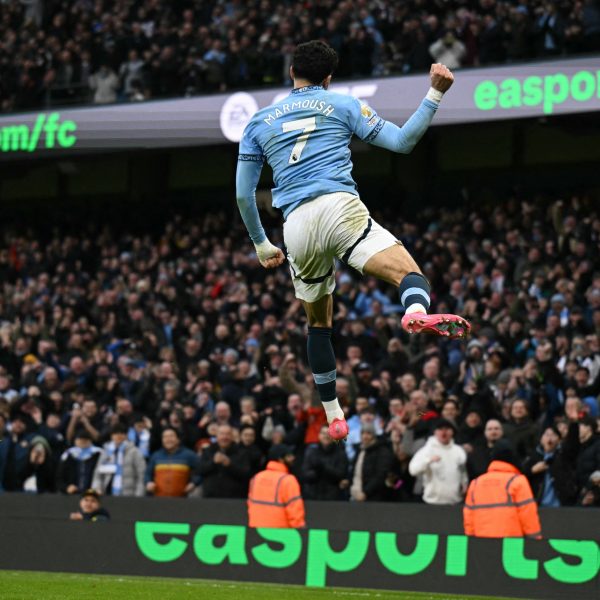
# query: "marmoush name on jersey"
(318, 105)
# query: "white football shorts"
(330, 226)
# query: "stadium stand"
(57, 52)
(180, 327)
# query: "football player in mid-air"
(305, 138)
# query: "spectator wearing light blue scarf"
(121, 467)
(77, 464)
(140, 436)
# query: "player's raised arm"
(385, 134)
(247, 176)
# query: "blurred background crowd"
(142, 361)
(55, 52)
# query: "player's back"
(305, 138)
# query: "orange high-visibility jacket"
(274, 498)
(500, 504)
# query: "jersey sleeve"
(250, 163)
(371, 128)
(250, 149)
(364, 121)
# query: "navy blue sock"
(322, 361)
(415, 289)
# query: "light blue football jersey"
(305, 139)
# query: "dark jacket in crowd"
(376, 467)
(479, 460)
(469, 435)
(56, 440)
(522, 436)
(219, 481)
(14, 462)
(588, 459)
(77, 467)
(482, 401)
(561, 468)
(324, 468)
(256, 459)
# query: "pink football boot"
(450, 326)
(338, 430)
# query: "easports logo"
(548, 91)
(235, 114)
(570, 561)
(23, 138)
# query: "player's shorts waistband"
(317, 200)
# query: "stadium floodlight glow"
(507, 92)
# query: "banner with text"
(551, 569)
(541, 89)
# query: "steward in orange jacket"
(500, 503)
(274, 498)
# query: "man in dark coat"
(325, 469)
(588, 459)
(551, 467)
(224, 467)
(520, 430)
(372, 464)
(14, 456)
(248, 445)
(480, 457)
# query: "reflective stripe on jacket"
(274, 498)
(500, 504)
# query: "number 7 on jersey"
(307, 126)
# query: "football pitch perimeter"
(21, 585)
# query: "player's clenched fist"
(270, 256)
(441, 77)
(273, 261)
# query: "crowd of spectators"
(169, 362)
(59, 51)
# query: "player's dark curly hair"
(314, 61)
